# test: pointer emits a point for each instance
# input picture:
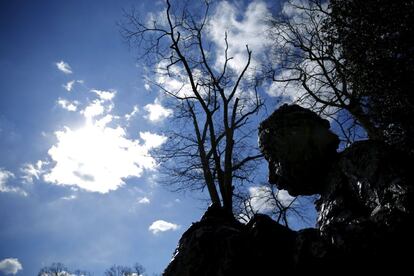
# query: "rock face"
(299, 147)
(365, 209)
(219, 245)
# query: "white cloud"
(176, 80)
(69, 85)
(98, 158)
(261, 200)
(284, 197)
(10, 266)
(64, 67)
(68, 105)
(94, 109)
(152, 140)
(162, 226)
(32, 171)
(135, 110)
(105, 95)
(71, 197)
(5, 175)
(144, 200)
(147, 87)
(99, 106)
(156, 112)
(99, 155)
(248, 28)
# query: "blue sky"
(66, 76)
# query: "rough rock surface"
(220, 245)
(299, 147)
(365, 209)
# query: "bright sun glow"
(97, 157)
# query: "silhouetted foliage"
(376, 38)
(350, 58)
(59, 269)
(118, 270)
(313, 66)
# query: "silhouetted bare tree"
(278, 204)
(59, 269)
(212, 145)
(118, 270)
(309, 59)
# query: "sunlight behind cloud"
(98, 157)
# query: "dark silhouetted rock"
(299, 147)
(365, 209)
(220, 245)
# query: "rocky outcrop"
(365, 209)
(219, 245)
(299, 148)
(365, 206)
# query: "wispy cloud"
(64, 67)
(68, 105)
(162, 226)
(5, 176)
(134, 112)
(32, 171)
(144, 200)
(69, 85)
(10, 266)
(243, 28)
(70, 197)
(156, 112)
(105, 95)
(94, 109)
(260, 195)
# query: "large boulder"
(365, 209)
(366, 191)
(299, 148)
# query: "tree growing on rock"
(308, 61)
(212, 147)
(349, 61)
